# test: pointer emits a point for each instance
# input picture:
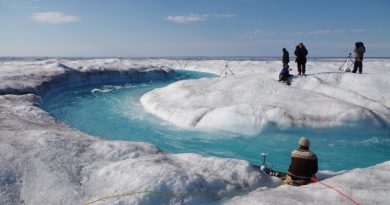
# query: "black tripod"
(225, 72)
(347, 64)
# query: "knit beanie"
(304, 142)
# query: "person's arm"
(315, 167)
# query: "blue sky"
(141, 28)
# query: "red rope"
(338, 191)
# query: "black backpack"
(361, 45)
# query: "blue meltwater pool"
(114, 112)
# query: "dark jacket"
(359, 51)
(301, 54)
(286, 57)
(304, 165)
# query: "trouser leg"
(360, 67)
(355, 66)
(303, 68)
(299, 65)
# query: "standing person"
(359, 51)
(303, 166)
(286, 57)
(301, 53)
(284, 74)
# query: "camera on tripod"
(347, 64)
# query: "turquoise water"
(114, 112)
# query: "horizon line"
(195, 56)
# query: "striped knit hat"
(304, 142)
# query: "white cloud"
(53, 18)
(192, 18)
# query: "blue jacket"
(285, 71)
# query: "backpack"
(362, 47)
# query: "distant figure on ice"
(303, 166)
(286, 57)
(301, 53)
(359, 51)
(284, 75)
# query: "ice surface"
(43, 161)
(365, 186)
(255, 99)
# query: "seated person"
(284, 74)
(303, 166)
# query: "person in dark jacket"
(301, 53)
(286, 57)
(359, 52)
(303, 166)
(284, 73)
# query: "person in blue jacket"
(284, 75)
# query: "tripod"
(224, 72)
(347, 64)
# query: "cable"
(152, 192)
(338, 191)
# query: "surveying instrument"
(265, 164)
(226, 71)
(264, 155)
(347, 64)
